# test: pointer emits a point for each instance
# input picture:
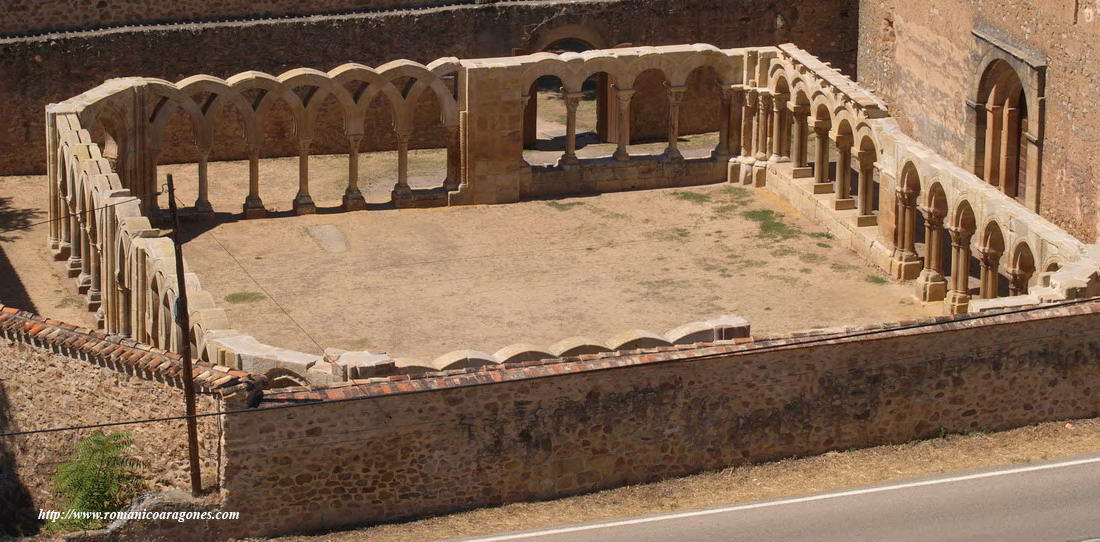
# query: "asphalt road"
(1049, 501)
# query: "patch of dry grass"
(790, 477)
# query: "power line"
(261, 287)
(760, 348)
(66, 217)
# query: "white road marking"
(738, 508)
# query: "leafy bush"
(101, 475)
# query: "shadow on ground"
(14, 223)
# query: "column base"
(254, 207)
(744, 173)
(804, 172)
(932, 286)
(61, 252)
(83, 283)
(73, 269)
(673, 155)
(760, 174)
(621, 154)
(203, 208)
(844, 204)
(303, 205)
(566, 160)
(94, 301)
(864, 221)
(905, 267)
(823, 188)
(354, 201)
(957, 302)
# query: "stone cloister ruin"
(889, 198)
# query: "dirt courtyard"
(422, 282)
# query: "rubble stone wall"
(471, 438)
(41, 70)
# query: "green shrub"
(101, 475)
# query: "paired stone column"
(202, 202)
(779, 129)
(675, 98)
(572, 101)
(992, 163)
(253, 205)
(73, 235)
(958, 298)
(822, 185)
(844, 199)
(801, 115)
(353, 198)
(1010, 145)
(931, 283)
(303, 203)
(866, 195)
(95, 292)
(990, 262)
(84, 279)
(1018, 281)
(763, 114)
(905, 264)
(622, 96)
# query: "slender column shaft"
(992, 164)
(960, 262)
(253, 205)
(908, 223)
(762, 126)
(866, 182)
(779, 106)
(1009, 154)
(675, 97)
(748, 123)
(843, 168)
(73, 236)
(202, 202)
(95, 291)
(735, 113)
(802, 138)
(353, 165)
(723, 148)
(622, 96)
(572, 101)
(303, 168)
(821, 155)
(990, 261)
(254, 173)
(403, 163)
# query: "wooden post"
(184, 321)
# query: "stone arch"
(570, 31)
(281, 377)
(1021, 268)
(1006, 127)
(989, 257)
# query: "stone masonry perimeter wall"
(922, 59)
(57, 375)
(529, 431)
(33, 16)
(42, 70)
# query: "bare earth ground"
(787, 478)
(422, 282)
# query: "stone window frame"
(1030, 66)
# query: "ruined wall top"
(28, 17)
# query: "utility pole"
(183, 319)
